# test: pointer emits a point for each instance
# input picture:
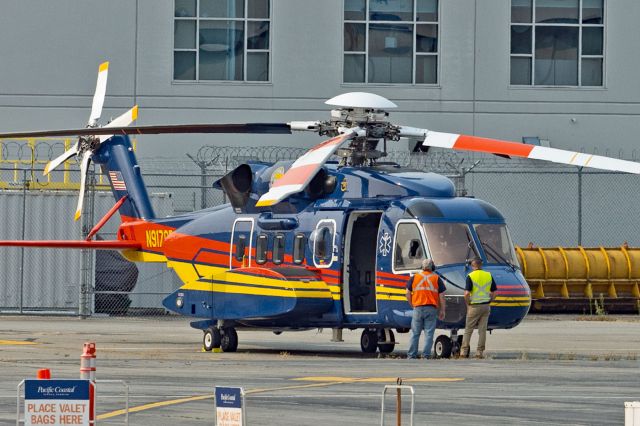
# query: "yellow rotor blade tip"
(103, 66)
(77, 216)
(265, 203)
(134, 113)
(46, 170)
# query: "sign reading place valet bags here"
(229, 410)
(56, 402)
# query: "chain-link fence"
(543, 204)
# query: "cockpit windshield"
(450, 242)
(496, 243)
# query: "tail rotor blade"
(86, 158)
(98, 96)
(60, 159)
(122, 121)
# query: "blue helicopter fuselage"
(341, 260)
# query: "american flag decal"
(117, 181)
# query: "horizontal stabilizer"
(74, 244)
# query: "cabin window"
(278, 249)
(241, 245)
(261, 249)
(450, 242)
(322, 241)
(298, 249)
(409, 249)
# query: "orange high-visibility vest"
(424, 289)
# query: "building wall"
(50, 52)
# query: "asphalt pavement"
(548, 370)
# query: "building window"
(557, 42)
(391, 41)
(223, 40)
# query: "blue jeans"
(424, 318)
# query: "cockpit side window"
(409, 250)
(496, 243)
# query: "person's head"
(427, 265)
(476, 263)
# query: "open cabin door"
(241, 244)
(359, 289)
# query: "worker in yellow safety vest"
(425, 294)
(479, 293)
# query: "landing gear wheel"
(457, 345)
(369, 341)
(211, 339)
(229, 341)
(387, 347)
(442, 347)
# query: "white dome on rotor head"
(361, 100)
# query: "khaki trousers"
(477, 316)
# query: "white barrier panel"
(56, 402)
(632, 413)
(229, 406)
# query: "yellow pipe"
(581, 272)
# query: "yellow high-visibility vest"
(481, 289)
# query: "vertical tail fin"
(119, 163)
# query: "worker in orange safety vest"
(425, 294)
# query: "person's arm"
(442, 305)
(492, 291)
(467, 290)
(409, 287)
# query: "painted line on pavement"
(16, 342)
(329, 381)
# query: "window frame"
(425, 246)
(414, 23)
(580, 25)
(245, 51)
(334, 230)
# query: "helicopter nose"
(513, 297)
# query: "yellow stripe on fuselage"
(143, 256)
(258, 291)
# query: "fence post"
(86, 276)
(580, 206)
(23, 233)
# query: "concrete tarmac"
(548, 370)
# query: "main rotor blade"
(84, 168)
(303, 170)
(514, 149)
(259, 128)
(60, 159)
(98, 96)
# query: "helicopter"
(326, 241)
